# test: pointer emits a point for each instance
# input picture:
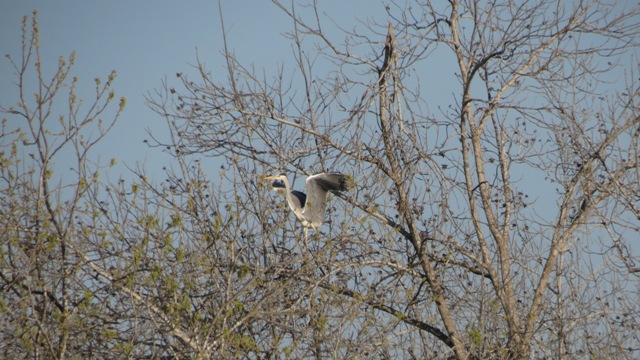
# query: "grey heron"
(309, 207)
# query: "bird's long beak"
(270, 177)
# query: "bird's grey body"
(309, 207)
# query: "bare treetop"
(493, 212)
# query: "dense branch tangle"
(493, 216)
(481, 199)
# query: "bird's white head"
(278, 183)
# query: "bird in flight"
(309, 207)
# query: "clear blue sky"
(144, 41)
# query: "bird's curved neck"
(287, 193)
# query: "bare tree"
(74, 247)
(497, 225)
(48, 296)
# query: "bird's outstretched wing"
(317, 187)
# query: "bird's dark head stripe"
(278, 184)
